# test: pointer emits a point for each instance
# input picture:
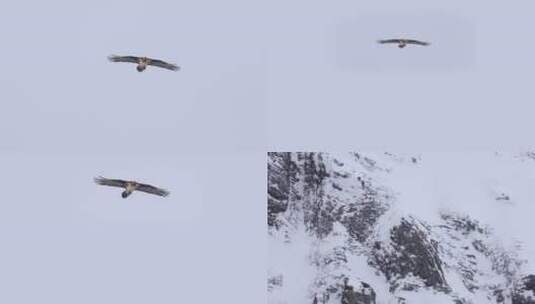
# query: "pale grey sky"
(255, 76)
(331, 87)
(67, 240)
(67, 115)
(62, 93)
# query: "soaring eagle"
(143, 62)
(403, 42)
(130, 186)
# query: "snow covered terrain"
(394, 228)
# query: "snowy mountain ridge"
(384, 228)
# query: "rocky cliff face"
(338, 235)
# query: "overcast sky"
(331, 87)
(300, 75)
(65, 239)
(68, 115)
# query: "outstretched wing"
(389, 41)
(110, 182)
(163, 64)
(152, 190)
(418, 42)
(115, 58)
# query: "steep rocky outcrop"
(363, 293)
(410, 252)
(361, 251)
(524, 292)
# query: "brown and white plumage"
(403, 42)
(143, 62)
(130, 186)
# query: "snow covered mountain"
(383, 228)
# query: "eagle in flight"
(403, 42)
(143, 62)
(130, 186)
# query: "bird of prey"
(130, 186)
(403, 42)
(143, 62)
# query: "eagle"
(130, 186)
(143, 62)
(403, 42)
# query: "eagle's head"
(141, 67)
(401, 45)
(125, 194)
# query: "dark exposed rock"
(460, 232)
(361, 217)
(499, 295)
(502, 262)
(524, 292)
(275, 282)
(462, 223)
(282, 173)
(530, 155)
(337, 187)
(341, 175)
(300, 178)
(401, 300)
(362, 294)
(318, 210)
(411, 252)
(314, 170)
(503, 197)
(528, 283)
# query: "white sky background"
(61, 92)
(67, 115)
(331, 87)
(276, 75)
(65, 239)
